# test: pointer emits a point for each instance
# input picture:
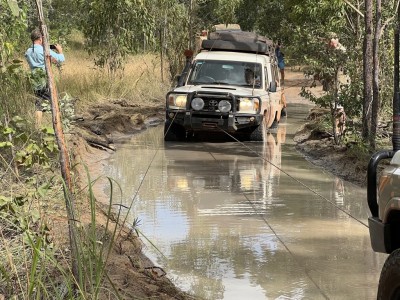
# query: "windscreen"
(226, 73)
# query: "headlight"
(197, 104)
(224, 106)
(177, 101)
(249, 105)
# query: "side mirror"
(272, 87)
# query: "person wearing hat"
(36, 61)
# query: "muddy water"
(247, 221)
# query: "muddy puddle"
(229, 220)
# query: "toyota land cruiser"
(231, 85)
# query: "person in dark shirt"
(281, 61)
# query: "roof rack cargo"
(232, 38)
(219, 45)
(238, 36)
(226, 27)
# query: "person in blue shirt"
(36, 60)
(281, 61)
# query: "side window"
(196, 70)
(266, 78)
(275, 74)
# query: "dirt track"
(97, 129)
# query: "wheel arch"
(393, 219)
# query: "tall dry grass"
(140, 82)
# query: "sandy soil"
(93, 140)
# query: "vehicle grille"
(211, 101)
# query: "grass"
(33, 267)
(35, 259)
(139, 82)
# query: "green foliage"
(17, 214)
(32, 267)
(95, 245)
(225, 10)
(12, 34)
(28, 150)
(267, 17)
(12, 29)
(357, 148)
(115, 28)
(64, 16)
(309, 26)
(14, 84)
(172, 21)
(212, 12)
(67, 108)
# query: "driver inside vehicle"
(250, 77)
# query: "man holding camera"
(36, 60)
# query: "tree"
(213, 12)
(312, 26)
(12, 36)
(64, 16)
(172, 30)
(267, 17)
(380, 26)
(367, 73)
(115, 28)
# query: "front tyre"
(257, 135)
(173, 132)
(389, 281)
(275, 122)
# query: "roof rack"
(239, 41)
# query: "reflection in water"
(338, 191)
(235, 175)
(233, 225)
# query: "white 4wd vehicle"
(384, 222)
(231, 85)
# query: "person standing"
(281, 61)
(334, 83)
(35, 57)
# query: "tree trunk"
(367, 72)
(191, 42)
(64, 157)
(376, 69)
(162, 54)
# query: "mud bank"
(92, 143)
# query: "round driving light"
(252, 119)
(171, 115)
(197, 103)
(224, 106)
